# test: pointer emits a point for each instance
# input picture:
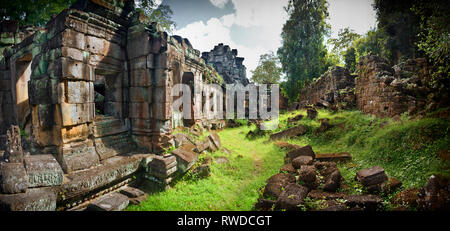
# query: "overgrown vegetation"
(406, 149)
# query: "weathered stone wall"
(385, 91)
(227, 64)
(334, 88)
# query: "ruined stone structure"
(334, 88)
(94, 88)
(227, 64)
(383, 90)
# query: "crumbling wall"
(227, 64)
(383, 91)
(335, 88)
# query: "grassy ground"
(406, 149)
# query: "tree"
(32, 12)
(434, 36)
(344, 40)
(303, 53)
(158, 13)
(399, 27)
(268, 70)
(39, 12)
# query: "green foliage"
(434, 36)
(303, 55)
(399, 27)
(344, 40)
(268, 70)
(32, 12)
(158, 13)
(350, 59)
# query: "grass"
(406, 149)
(234, 186)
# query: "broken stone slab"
(162, 167)
(293, 196)
(14, 178)
(367, 202)
(335, 157)
(132, 192)
(181, 139)
(203, 145)
(289, 133)
(43, 171)
(297, 162)
(185, 159)
(110, 202)
(391, 185)
(113, 169)
(435, 195)
(303, 151)
(371, 176)
(215, 139)
(276, 183)
(35, 199)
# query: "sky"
(253, 27)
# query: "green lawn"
(406, 149)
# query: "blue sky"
(254, 26)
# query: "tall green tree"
(303, 53)
(268, 70)
(32, 12)
(158, 13)
(399, 27)
(434, 36)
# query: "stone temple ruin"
(92, 93)
(227, 64)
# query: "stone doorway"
(21, 76)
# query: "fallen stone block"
(110, 202)
(276, 183)
(335, 157)
(185, 159)
(43, 171)
(35, 199)
(14, 178)
(297, 162)
(132, 192)
(202, 171)
(289, 133)
(307, 176)
(333, 181)
(291, 198)
(371, 176)
(215, 139)
(303, 151)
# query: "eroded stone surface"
(43, 171)
(36, 199)
(14, 178)
(110, 202)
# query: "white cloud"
(267, 16)
(219, 3)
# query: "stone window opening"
(99, 95)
